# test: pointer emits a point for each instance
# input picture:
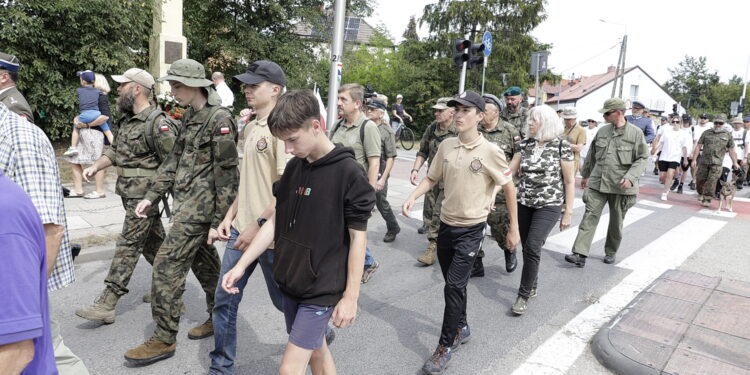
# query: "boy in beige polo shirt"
(473, 171)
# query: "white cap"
(399, 96)
(136, 75)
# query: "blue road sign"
(487, 41)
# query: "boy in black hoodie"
(323, 202)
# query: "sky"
(660, 33)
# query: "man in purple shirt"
(25, 338)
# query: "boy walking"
(323, 190)
(473, 170)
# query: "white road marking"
(646, 202)
(563, 241)
(559, 352)
(721, 213)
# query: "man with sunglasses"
(9, 94)
(714, 143)
(673, 145)
(615, 161)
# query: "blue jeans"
(225, 308)
(88, 115)
(369, 259)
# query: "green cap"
(188, 72)
(722, 118)
(613, 104)
(442, 103)
(513, 91)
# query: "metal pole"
(617, 72)
(462, 79)
(536, 74)
(744, 87)
(337, 62)
(484, 67)
(622, 71)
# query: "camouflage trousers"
(427, 207)
(706, 178)
(138, 236)
(433, 223)
(746, 168)
(499, 222)
(184, 248)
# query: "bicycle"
(405, 136)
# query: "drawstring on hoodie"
(299, 193)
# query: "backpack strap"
(150, 129)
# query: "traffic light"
(459, 56)
(476, 55)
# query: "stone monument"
(166, 44)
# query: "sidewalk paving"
(683, 323)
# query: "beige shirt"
(470, 172)
(262, 165)
(351, 137)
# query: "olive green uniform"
(388, 143)
(16, 103)
(202, 172)
(433, 199)
(615, 153)
(136, 163)
(505, 136)
(517, 119)
(715, 143)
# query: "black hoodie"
(316, 203)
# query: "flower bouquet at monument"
(169, 105)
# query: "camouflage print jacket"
(517, 119)
(431, 139)
(504, 135)
(715, 143)
(201, 169)
(540, 182)
(131, 150)
(616, 153)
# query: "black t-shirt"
(399, 108)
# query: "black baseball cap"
(468, 98)
(703, 115)
(377, 104)
(686, 117)
(262, 70)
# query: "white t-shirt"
(227, 97)
(698, 131)
(672, 141)
(738, 143)
(590, 134)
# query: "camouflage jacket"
(504, 135)
(517, 119)
(131, 150)
(540, 182)
(431, 139)
(715, 143)
(616, 154)
(16, 103)
(201, 169)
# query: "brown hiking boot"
(202, 331)
(151, 351)
(103, 309)
(147, 298)
(430, 254)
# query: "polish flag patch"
(224, 130)
(164, 128)
(517, 138)
(507, 173)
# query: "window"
(633, 92)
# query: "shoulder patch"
(224, 130)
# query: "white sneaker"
(72, 151)
(664, 196)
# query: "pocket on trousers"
(292, 267)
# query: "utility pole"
(744, 89)
(622, 70)
(337, 62)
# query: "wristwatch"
(261, 221)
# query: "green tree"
(690, 84)
(411, 29)
(54, 39)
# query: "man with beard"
(514, 112)
(145, 138)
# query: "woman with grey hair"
(546, 180)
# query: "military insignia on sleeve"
(516, 138)
(224, 130)
(507, 172)
(261, 145)
(164, 128)
(476, 166)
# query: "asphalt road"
(401, 307)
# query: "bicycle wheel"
(407, 138)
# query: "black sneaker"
(679, 189)
(330, 334)
(609, 259)
(691, 185)
(675, 183)
(577, 259)
(462, 337)
(656, 171)
(391, 236)
(478, 269)
(438, 361)
(422, 229)
(510, 261)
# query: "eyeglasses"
(609, 113)
(675, 122)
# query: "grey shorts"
(306, 324)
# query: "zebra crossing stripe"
(559, 352)
(646, 202)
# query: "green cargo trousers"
(619, 205)
(434, 224)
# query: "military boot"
(202, 331)
(430, 254)
(103, 309)
(149, 352)
(147, 298)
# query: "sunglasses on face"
(675, 122)
(609, 113)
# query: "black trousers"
(457, 248)
(534, 226)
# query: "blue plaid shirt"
(27, 158)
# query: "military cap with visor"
(376, 104)
(9, 62)
(136, 75)
(720, 118)
(442, 103)
(613, 104)
(489, 98)
(262, 70)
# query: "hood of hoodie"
(338, 153)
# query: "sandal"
(94, 195)
(75, 194)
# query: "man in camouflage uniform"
(443, 127)
(505, 136)
(146, 140)
(202, 171)
(615, 161)
(715, 142)
(514, 112)
(9, 94)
